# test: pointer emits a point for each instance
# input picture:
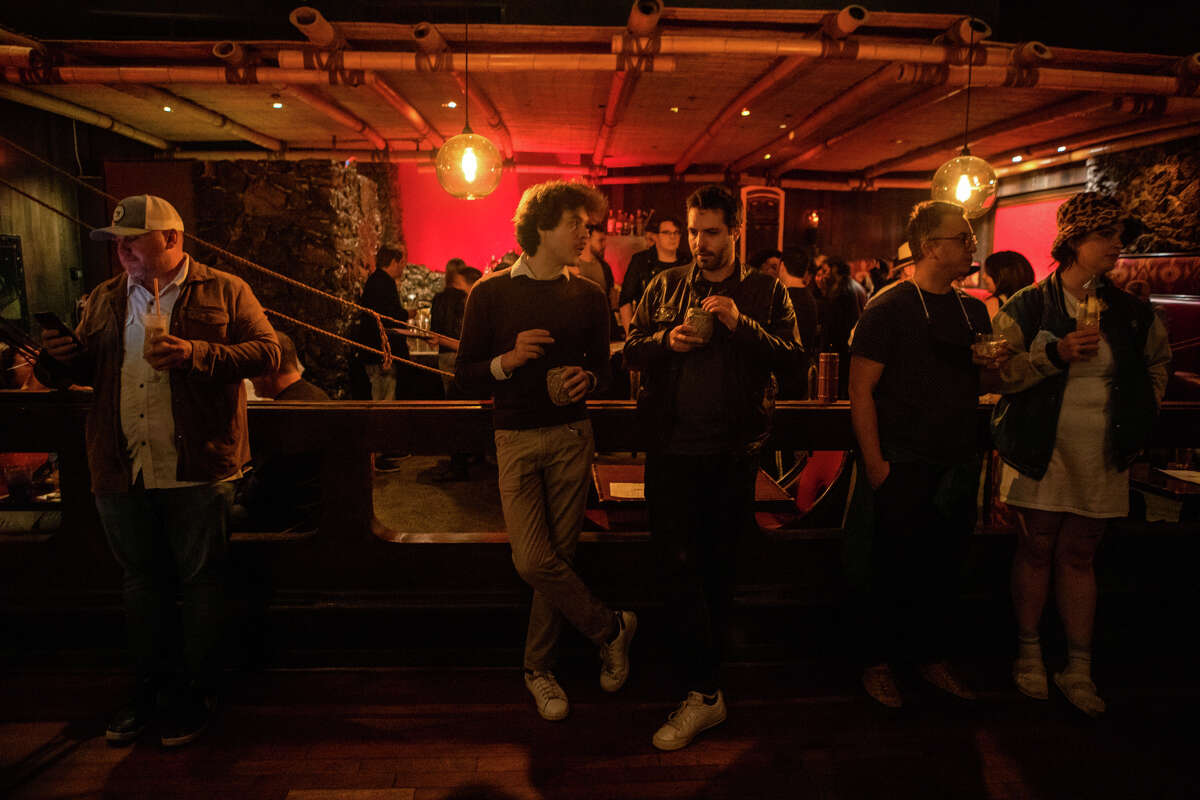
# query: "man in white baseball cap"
(140, 214)
(166, 345)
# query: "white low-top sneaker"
(614, 658)
(692, 718)
(550, 698)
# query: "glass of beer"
(1089, 313)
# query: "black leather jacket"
(765, 342)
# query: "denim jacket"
(1025, 421)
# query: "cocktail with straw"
(155, 323)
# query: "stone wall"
(1159, 185)
(319, 222)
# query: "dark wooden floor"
(795, 730)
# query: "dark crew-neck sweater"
(500, 306)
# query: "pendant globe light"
(967, 180)
(468, 165)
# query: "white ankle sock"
(1029, 646)
(1079, 660)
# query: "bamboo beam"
(1076, 107)
(761, 85)
(642, 23)
(434, 46)
(312, 24)
(14, 55)
(164, 98)
(338, 114)
(28, 97)
(1077, 141)
(481, 62)
(1066, 80)
(852, 49)
(392, 156)
(852, 99)
(374, 82)
(921, 100)
(1083, 154)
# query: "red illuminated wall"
(1029, 228)
(438, 227)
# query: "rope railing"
(385, 353)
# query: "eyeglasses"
(969, 241)
(668, 233)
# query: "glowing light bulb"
(962, 192)
(966, 181)
(277, 104)
(470, 165)
(167, 109)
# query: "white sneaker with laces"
(550, 698)
(614, 658)
(692, 718)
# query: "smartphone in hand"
(51, 321)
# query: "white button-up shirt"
(146, 415)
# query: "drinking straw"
(157, 307)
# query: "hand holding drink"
(989, 350)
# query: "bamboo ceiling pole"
(381, 87)
(177, 103)
(166, 75)
(481, 62)
(433, 46)
(923, 99)
(642, 23)
(16, 56)
(1076, 141)
(19, 94)
(1083, 154)
(320, 32)
(338, 114)
(393, 156)
(313, 24)
(851, 99)
(1076, 107)
(1049, 78)
(764, 83)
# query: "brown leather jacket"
(231, 340)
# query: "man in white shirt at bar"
(166, 345)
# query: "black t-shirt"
(929, 391)
(642, 268)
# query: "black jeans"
(699, 506)
(923, 516)
(170, 541)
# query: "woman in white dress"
(1080, 395)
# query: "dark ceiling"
(1120, 25)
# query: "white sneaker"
(550, 698)
(614, 658)
(692, 718)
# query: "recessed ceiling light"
(167, 109)
(783, 125)
(674, 109)
(1017, 159)
(745, 112)
(766, 156)
(897, 141)
(277, 104)
(451, 104)
(1062, 148)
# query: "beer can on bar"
(827, 378)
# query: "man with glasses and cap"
(167, 345)
(915, 383)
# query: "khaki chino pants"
(543, 478)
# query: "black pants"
(699, 506)
(923, 516)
